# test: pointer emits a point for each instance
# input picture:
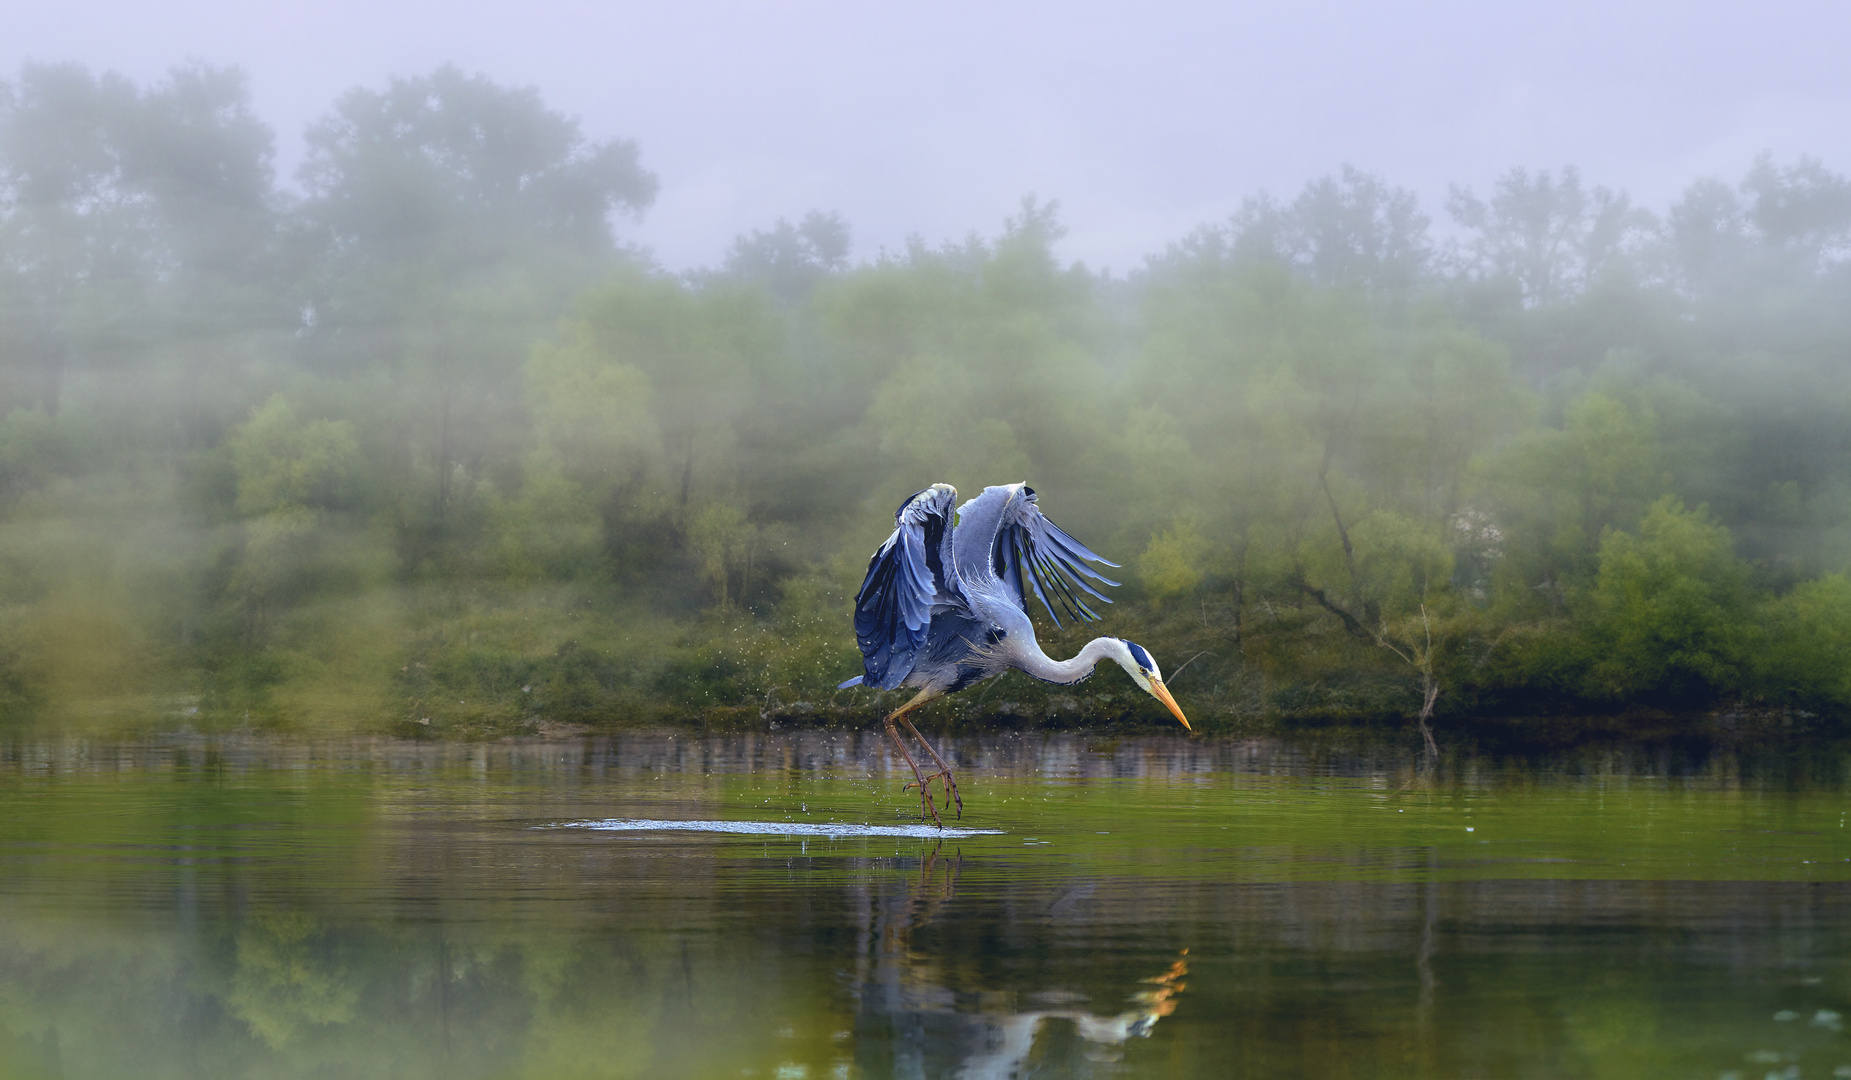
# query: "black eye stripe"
(1142, 657)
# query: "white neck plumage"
(1133, 658)
(1071, 671)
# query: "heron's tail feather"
(856, 681)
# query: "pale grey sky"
(1142, 120)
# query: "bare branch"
(1357, 629)
(1171, 681)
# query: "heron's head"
(1143, 670)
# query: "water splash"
(832, 829)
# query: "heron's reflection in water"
(1012, 1036)
(925, 1013)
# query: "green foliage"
(1668, 612)
(450, 164)
(594, 415)
(1174, 562)
(1399, 562)
(1804, 654)
(284, 465)
(1555, 491)
(721, 540)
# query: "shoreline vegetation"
(421, 447)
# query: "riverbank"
(1507, 732)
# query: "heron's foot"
(926, 808)
(951, 788)
(944, 770)
(924, 782)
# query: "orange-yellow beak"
(1162, 693)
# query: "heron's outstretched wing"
(1028, 553)
(906, 577)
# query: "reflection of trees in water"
(449, 1000)
(290, 974)
(596, 762)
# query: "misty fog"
(420, 431)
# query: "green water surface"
(1160, 906)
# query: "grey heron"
(945, 605)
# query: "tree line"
(422, 443)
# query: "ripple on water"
(773, 828)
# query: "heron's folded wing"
(906, 577)
(1032, 553)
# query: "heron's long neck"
(1042, 667)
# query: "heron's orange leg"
(925, 796)
(944, 770)
(926, 809)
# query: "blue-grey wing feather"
(1005, 530)
(907, 578)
